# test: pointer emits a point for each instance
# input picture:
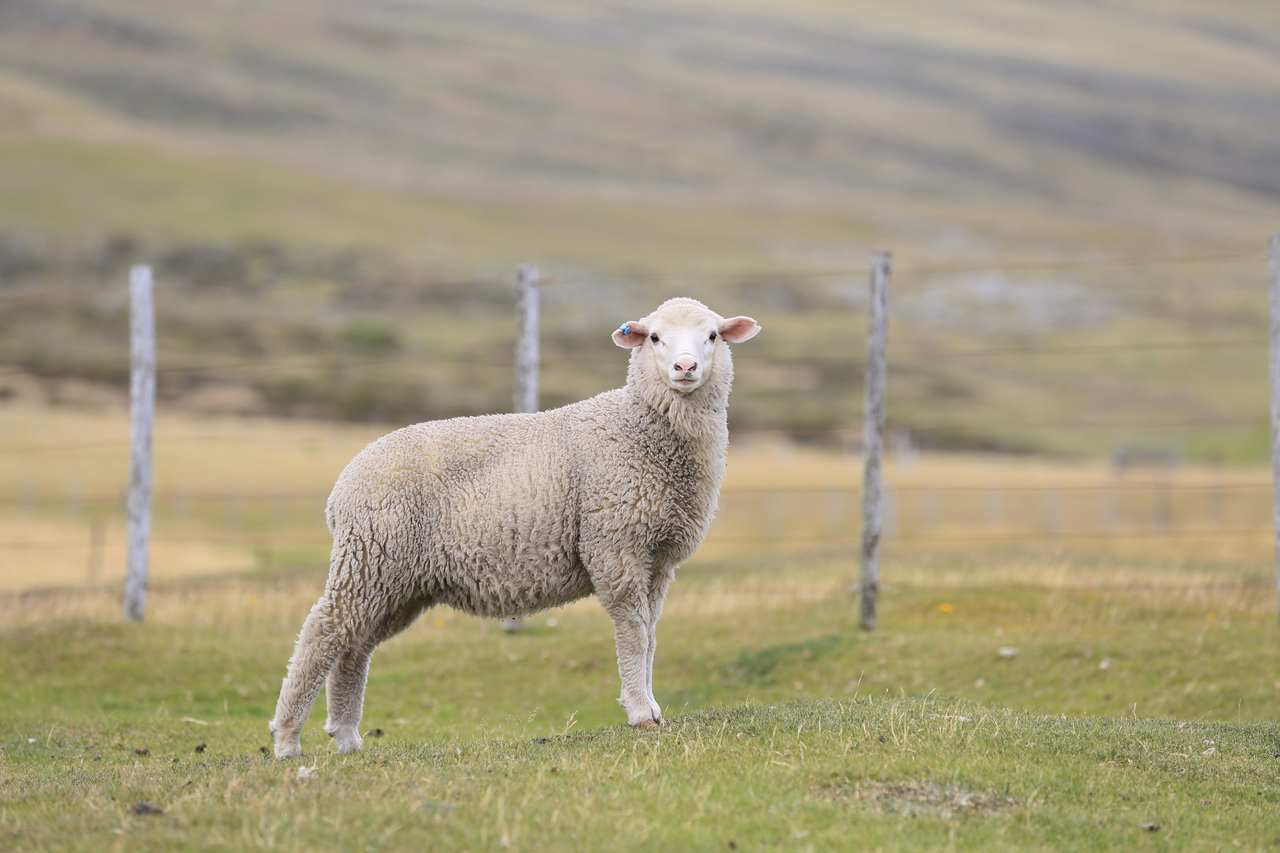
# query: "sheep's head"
(684, 337)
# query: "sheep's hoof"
(648, 724)
(287, 746)
(348, 738)
(288, 750)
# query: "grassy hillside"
(326, 185)
(912, 125)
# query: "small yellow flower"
(944, 607)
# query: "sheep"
(506, 515)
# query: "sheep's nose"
(686, 366)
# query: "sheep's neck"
(699, 417)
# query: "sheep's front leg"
(622, 583)
(657, 594)
(631, 634)
(623, 590)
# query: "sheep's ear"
(735, 330)
(630, 334)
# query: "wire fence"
(916, 514)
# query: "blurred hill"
(345, 181)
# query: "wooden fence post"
(1275, 396)
(873, 417)
(526, 384)
(142, 400)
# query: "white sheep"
(505, 515)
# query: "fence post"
(526, 385)
(873, 416)
(1275, 395)
(142, 399)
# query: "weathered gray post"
(142, 401)
(526, 389)
(873, 416)
(526, 386)
(1275, 394)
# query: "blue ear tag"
(626, 330)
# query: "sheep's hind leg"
(344, 690)
(323, 638)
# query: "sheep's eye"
(654, 337)
(713, 336)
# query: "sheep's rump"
(478, 513)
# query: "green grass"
(789, 726)
(887, 773)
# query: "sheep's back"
(482, 511)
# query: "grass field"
(1013, 716)
(1032, 691)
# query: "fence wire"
(1156, 530)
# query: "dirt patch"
(915, 798)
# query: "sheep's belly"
(503, 590)
(509, 551)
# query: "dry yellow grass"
(237, 494)
(224, 490)
(782, 496)
(40, 554)
(52, 451)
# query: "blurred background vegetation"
(335, 195)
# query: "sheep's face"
(684, 336)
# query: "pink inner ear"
(738, 329)
(630, 334)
